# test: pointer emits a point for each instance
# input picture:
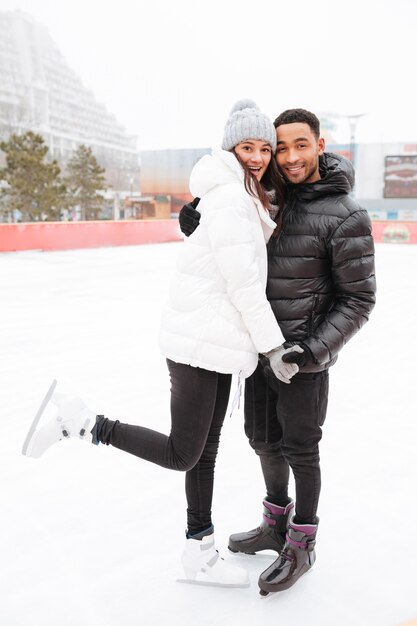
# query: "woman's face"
(255, 154)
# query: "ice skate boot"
(270, 535)
(68, 417)
(296, 558)
(204, 566)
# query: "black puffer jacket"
(321, 278)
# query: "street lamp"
(353, 122)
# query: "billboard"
(400, 176)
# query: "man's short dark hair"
(301, 116)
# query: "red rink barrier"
(72, 235)
(394, 232)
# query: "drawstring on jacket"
(238, 393)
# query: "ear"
(322, 144)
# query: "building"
(40, 92)
(166, 172)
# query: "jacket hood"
(218, 168)
(335, 164)
(337, 177)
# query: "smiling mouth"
(294, 169)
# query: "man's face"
(298, 153)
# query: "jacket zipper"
(313, 310)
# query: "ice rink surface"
(92, 536)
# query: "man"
(321, 286)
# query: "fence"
(72, 235)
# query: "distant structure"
(167, 172)
(40, 92)
(386, 176)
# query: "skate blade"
(38, 416)
(204, 583)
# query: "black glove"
(189, 217)
(299, 358)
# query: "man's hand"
(282, 370)
(299, 355)
(189, 217)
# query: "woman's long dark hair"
(271, 180)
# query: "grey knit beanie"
(246, 121)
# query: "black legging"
(199, 401)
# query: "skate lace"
(286, 556)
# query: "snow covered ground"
(92, 536)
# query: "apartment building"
(40, 92)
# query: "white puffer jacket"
(217, 316)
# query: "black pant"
(199, 400)
(283, 424)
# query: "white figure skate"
(204, 566)
(68, 417)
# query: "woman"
(216, 322)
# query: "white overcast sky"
(170, 70)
